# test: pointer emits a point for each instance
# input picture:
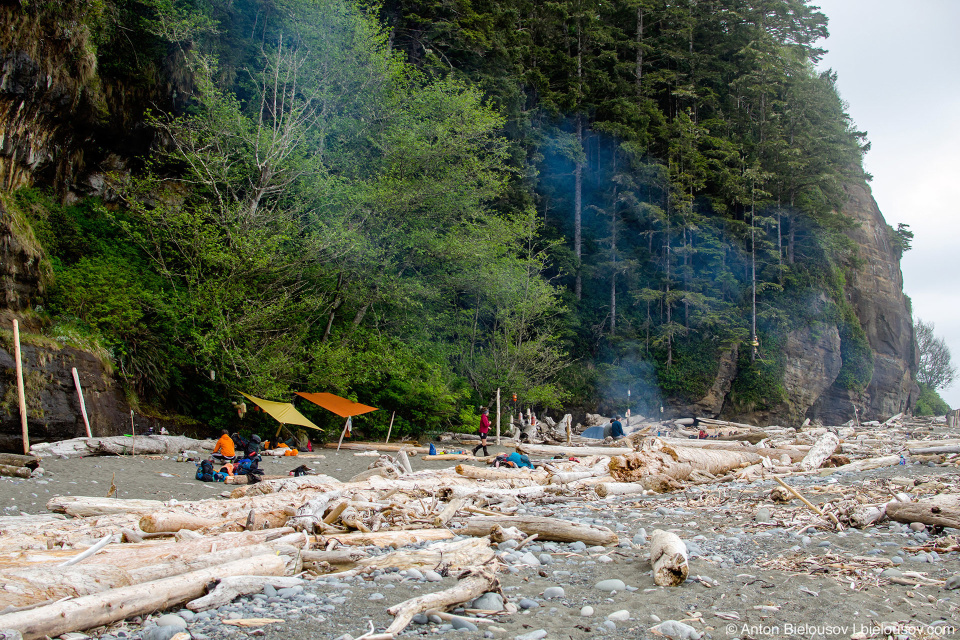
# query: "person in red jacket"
(484, 430)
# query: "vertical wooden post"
(83, 406)
(342, 433)
(390, 428)
(498, 417)
(133, 435)
(21, 395)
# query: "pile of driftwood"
(96, 561)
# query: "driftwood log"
(481, 473)
(167, 521)
(942, 511)
(114, 605)
(820, 452)
(470, 585)
(232, 587)
(388, 538)
(678, 463)
(14, 472)
(19, 460)
(553, 529)
(668, 556)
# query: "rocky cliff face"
(876, 292)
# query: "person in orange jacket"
(224, 450)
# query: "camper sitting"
(224, 450)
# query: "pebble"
(896, 560)
(677, 630)
(269, 591)
(620, 615)
(918, 526)
(609, 625)
(553, 592)
(953, 582)
(506, 545)
(432, 576)
(461, 624)
(891, 573)
(610, 585)
(578, 546)
(161, 633)
(376, 596)
(586, 611)
(533, 635)
(527, 603)
(489, 602)
(763, 515)
(530, 559)
(171, 620)
(414, 574)
(545, 558)
(187, 615)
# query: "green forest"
(413, 204)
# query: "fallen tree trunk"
(949, 448)
(668, 556)
(482, 473)
(605, 489)
(150, 445)
(863, 465)
(552, 450)
(470, 585)
(448, 512)
(942, 511)
(83, 506)
(456, 456)
(820, 452)
(112, 606)
(379, 446)
(232, 587)
(553, 529)
(388, 538)
(457, 555)
(14, 472)
(173, 521)
(18, 460)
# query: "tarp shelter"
(340, 406)
(283, 412)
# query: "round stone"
(953, 582)
(527, 603)
(545, 558)
(530, 559)
(553, 592)
(414, 574)
(918, 526)
(620, 615)
(578, 546)
(763, 515)
(586, 611)
(171, 620)
(420, 619)
(610, 585)
(609, 625)
(463, 625)
(432, 576)
(488, 602)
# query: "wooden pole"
(133, 434)
(21, 395)
(343, 433)
(390, 428)
(498, 417)
(83, 406)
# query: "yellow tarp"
(340, 406)
(284, 412)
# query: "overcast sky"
(899, 72)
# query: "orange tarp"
(340, 406)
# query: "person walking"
(484, 430)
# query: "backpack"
(205, 471)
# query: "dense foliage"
(418, 203)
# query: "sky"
(898, 66)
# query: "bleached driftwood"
(470, 585)
(82, 506)
(605, 489)
(388, 538)
(111, 606)
(232, 587)
(678, 463)
(668, 556)
(553, 529)
(940, 511)
(14, 472)
(482, 473)
(167, 521)
(448, 512)
(820, 451)
(863, 465)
